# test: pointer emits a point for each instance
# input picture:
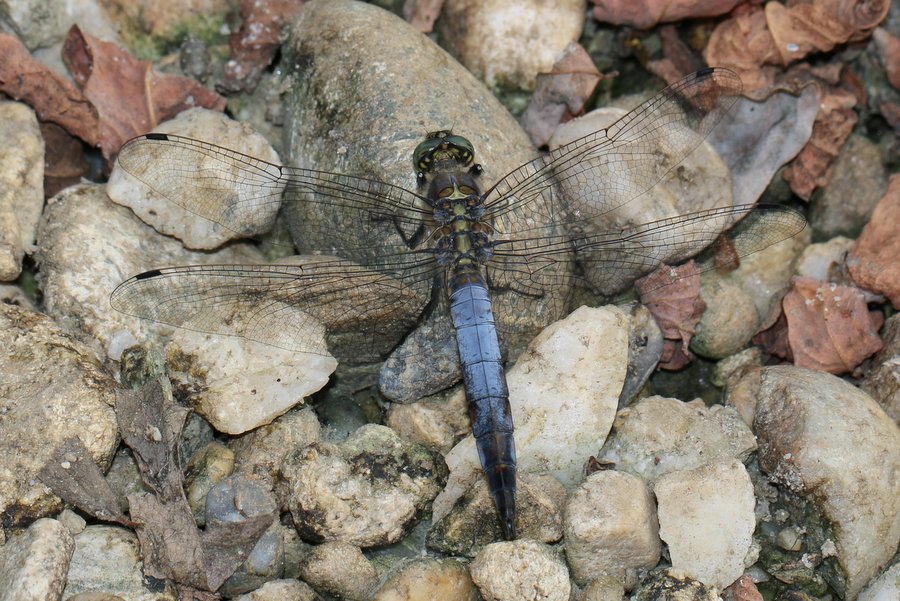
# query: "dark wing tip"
(154, 136)
(148, 274)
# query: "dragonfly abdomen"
(486, 390)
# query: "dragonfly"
(459, 243)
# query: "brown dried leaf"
(422, 14)
(874, 260)
(130, 97)
(644, 14)
(561, 94)
(51, 96)
(779, 34)
(888, 48)
(678, 59)
(64, 161)
(774, 339)
(255, 44)
(672, 295)
(74, 477)
(829, 326)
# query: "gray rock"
(108, 558)
(818, 260)
(520, 569)
(728, 323)
(482, 37)
(196, 232)
(858, 182)
(563, 390)
(369, 122)
(281, 590)
(825, 441)
(339, 569)
(611, 527)
(206, 468)
(883, 588)
(33, 564)
(672, 585)
(658, 435)
(604, 588)
(882, 380)
(472, 523)
(437, 422)
(124, 477)
(42, 24)
(428, 578)
(51, 388)
(365, 491)
(706, 518)
(21, 185)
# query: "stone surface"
(365, 491)
(817, 260)
(506, 43)
(672, 585)
(658, 435)
(427, 579)
(726, 328)
(108, 558)
(281, 590)
(339, 569)
(826, 441)
(882, 380)
(436, 422)
(884, 588)
(563, 391)
(51, 388)
(520, 569)
(604, 588)
(610, 527)
(206, 468)
(147, 198)
(473, 523)
(706, 518)
(89, 245)
(33, 564)
(21, 185)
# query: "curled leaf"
(874, 260)
(644, 14)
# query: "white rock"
(339, 569)
(521, 569)
(610, 527)
(563, 391)
(281, 590)
(21, 185)
(508, 42)
(658, 435)
(816, 260)
(108, 558)
(706, 517)
(824, 439)
(427, 579)
(33, 565)
(233, 188)
(884, 588)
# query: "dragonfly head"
(442, 148)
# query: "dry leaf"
(672, 295)
(874, 260)
(888, 48)
(644, 14)
(64, 161)
(774, 339)
(780, 34)
(129, 96)
(255, 44)
(422, 14)
(829, 326)
(74, 477)
(51, 96)
(561, 94)
(678, 59)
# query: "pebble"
(339, 569)
(521, 569)
(34, 564)
(882, 379)
(611, 527)
(426, 579)
(281, 590)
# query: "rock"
(604, 588)
(33, 565)
(259, 453)
(426, 579)
(610, 527)
(147, 198)
(89, 245)
(42, 26)
(857, 181)
(436, 422)
(21, 185)
(73, 522)
(472, 523)
(564, 391)
(396, 75)
(281, 590)
(339, 569)
(707, 520)
(108, 558)
(124, 477)
(506, 43)
(95, 596)
(658, 435)
(51, 388)
(365, 491)
(883, 588)
(818, 260)
(672, 585)
(645, 347)
(824, 440)
(521, 569)
(733, 364)
(726, 328)
(882, 380)
(701, 181)
(206, 468)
